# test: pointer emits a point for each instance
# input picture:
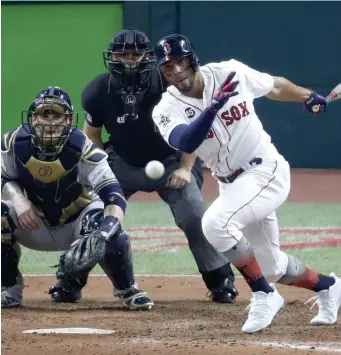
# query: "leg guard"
(10, 251)
(118, 266)
(117, 262)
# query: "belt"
(233, 176)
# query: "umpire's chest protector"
(52, 185)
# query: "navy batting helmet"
(175, 46)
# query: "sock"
(297, 274)
(243, 258)
(312, 280)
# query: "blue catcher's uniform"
(69, 183)
(61, 190)
(53, 186)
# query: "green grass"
(180, 261)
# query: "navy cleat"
(63, 292)
(135, 299)
(224, 293)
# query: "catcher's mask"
(50, 120)
(130, 58)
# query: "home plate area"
(183, 321)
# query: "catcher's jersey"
(237, 135)
(62, 188)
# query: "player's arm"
(10, 189)
(187, 138)
(285, 90)
(94, 133)
(182, 176)
(95, 171)
(92, 121)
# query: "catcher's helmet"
(139, 73)
(54, 107)
(175, 46)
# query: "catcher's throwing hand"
(26, 214)
(315, 104)
(179, 178)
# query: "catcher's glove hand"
(84, 253)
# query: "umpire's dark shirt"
(136, 141)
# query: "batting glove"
(315, 104)
(225, 91)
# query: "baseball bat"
(335, 94)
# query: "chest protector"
(52, 186)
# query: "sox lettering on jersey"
(235, 113)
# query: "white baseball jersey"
(237, 135)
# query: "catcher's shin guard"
(12, 284)
(10, 250)
(117, 262)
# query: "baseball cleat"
(224, 293)
(11, 296)
(329, 302)
(136, 300)
(61, 293)
(262, 310)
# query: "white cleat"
(262, 310)
(328, 301)
(11, 296)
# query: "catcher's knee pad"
(117, 262)
(10, 256)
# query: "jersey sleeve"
(93, 169)
(166, 118)
(91, 103)
(259, 84)
(9, 170)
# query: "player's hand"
(315, 104)
(179, 178)
(26, 214)
(226, 90)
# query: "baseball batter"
(59, 193)
(210, 110)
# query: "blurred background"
(61, 43)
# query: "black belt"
(230, 178)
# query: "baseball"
(154, 169)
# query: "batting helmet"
(175, 46)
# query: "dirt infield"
(306, 186)
(183, 321)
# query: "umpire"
(122, 101)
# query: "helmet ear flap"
(195, 62)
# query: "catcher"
(59, 193)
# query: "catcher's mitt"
(84, 254)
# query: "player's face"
(49, 128)
(129, 58)
(179, 72)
